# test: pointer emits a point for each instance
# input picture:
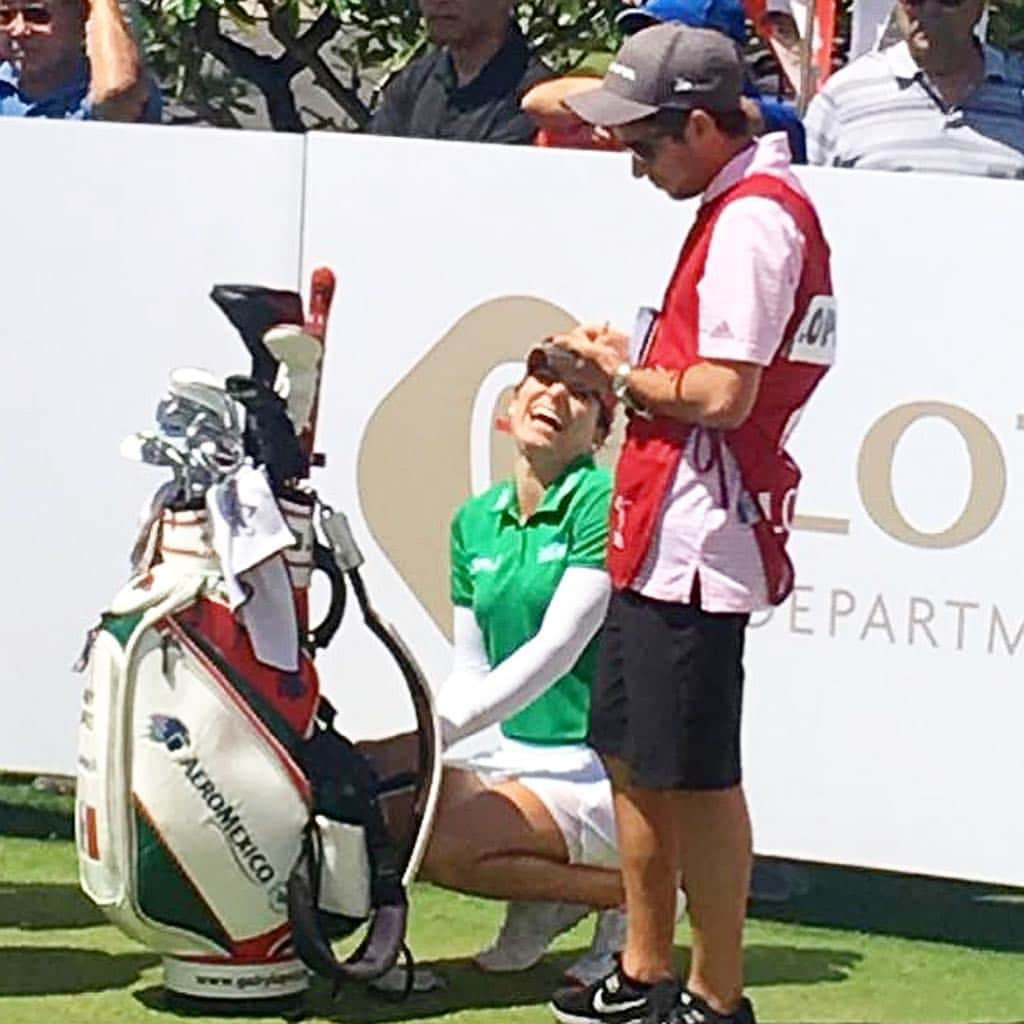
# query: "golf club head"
(173, 415)
(132, 446)
(215, 458)
(153, 450)
(204, 426)
(201, 388)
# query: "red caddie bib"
(652, 450)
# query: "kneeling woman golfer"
(531, 820)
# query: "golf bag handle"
(321, 635)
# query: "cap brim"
(633, 19)
(606, 109)
(566, 366)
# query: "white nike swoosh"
(600, 1006)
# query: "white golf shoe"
(529, 928)
(609, 939)
(599, 959)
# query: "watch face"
(620, 381)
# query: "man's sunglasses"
(34, 14)
(645, 150)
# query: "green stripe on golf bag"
(166, 895)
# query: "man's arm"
(713, 392)
(544, 104)
(118, 88)
(746, 298)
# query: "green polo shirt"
(507, 572)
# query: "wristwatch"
(620, 389)
(620, 381)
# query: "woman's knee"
(447, 858)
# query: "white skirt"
(569, 780)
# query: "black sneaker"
(614, 999)
(691, 1009)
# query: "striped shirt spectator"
(883, 113)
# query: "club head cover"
(299, 354)
(253, 309)
(269, 435)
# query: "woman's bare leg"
(501, 842)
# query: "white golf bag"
(221, 820)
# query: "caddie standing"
(703, 498)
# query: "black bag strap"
(377, 953)
(331, 754)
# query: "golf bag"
(222, 821)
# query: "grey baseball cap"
(664, 67)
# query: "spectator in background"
(467, 86)
(940, 100)
(72, 59)
(544, 101)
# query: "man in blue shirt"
(73, 59)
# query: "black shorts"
(669, 693)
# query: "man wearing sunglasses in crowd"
(940, 100)
(73, 59)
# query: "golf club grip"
(321, 294)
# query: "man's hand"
(605, 347)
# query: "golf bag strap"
(415, 684)
(385, 870)
(384, 941)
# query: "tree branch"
(272, 77)
(305, 50)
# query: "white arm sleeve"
(475, 696)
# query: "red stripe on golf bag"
(292, 695)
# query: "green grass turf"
(860, 947)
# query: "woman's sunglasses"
(34, 14)
(546, 377)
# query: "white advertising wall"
(113, 236)
(883, 699)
